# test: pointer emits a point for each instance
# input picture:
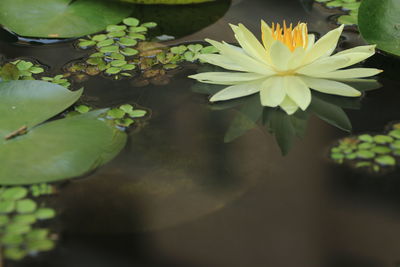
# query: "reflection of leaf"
(379, 23)
(28, 103)
(330, 113)
(59, 149)
(245, 120)
(60, 18)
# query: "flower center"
(291, 37)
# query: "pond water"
(178, 195)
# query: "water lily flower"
(284, 66)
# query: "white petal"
(228, 78)
(289, 106)
(360, 49)
(350, 73)
(280, 55)
(297, 58)
(324, 46)
(238, 90)
(267, 38)
(311, 41)
(249, 43)
(298, 91)
(272, 92)
(324, 65)
(221, 61)
(354, 58)
(240, 58)
(330, 87)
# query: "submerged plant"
(285, 66)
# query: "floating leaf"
(26, 206)
(379, 23)
(28, 103)
(14, 193)
(60, 18)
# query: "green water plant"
(85, 141)
(372, 152)
(350, 6)
(60, 18)
(21, 220)
(379, 23)
(20, 70)
(166, 2)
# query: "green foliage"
(166, 2)
(370, 152)
(60, 18)
(124, 115)
(24, 105)
(58, 79)
(19, 233)
(379, 23)
(19, 70)
(351, 6)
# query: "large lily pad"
(59, 150)
(379, 23)
(28, 103)
(60, 18)
(51, 151)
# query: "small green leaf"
(115, 28)
(129, 51)
(365, 154)
(137, 29)
(366, 138)
(124, 122)
(127, 41)
(383, 139)
(386, 160)
(85, 44)
(14, 193)
(26, 206)
(113, 70)
(106, 42)
(82, 109)
(14, 253)
(45, 213)
(99, 37)
(131, 22)
(126, 108)
(139, 36)
(118, 63)
(116, 34)
(7, 206)
(137, 113)
(116, 113)
(110, 49)
(149, 24)
(24, 219)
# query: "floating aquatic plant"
(20, 70)
(285, 66)
(167, 2)
(351, 6)
(20, 213)
(373, 152)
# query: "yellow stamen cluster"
(291, 37)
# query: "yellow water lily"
(284, 66)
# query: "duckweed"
(371, 152)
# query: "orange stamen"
(291, 37)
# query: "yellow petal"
(330, 87)
(280, 56)
(221, 61)
(236, 55)
(272, 92)
(324, 65)
(289, 106)
(238, 90)
(227, 78)
(298, 91)
(249, 43)
(324, 46)
(350, 73)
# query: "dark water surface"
(178, 196)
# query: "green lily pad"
(60, 149)
(14, 193)
(60, 18)
(28, 103)
(379, 23)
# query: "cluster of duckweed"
(20, 70)
(20, 216)
(59, 79)
(115, 48)
(123, 116)
(372, 152)
(122, 51)
(351, 6)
